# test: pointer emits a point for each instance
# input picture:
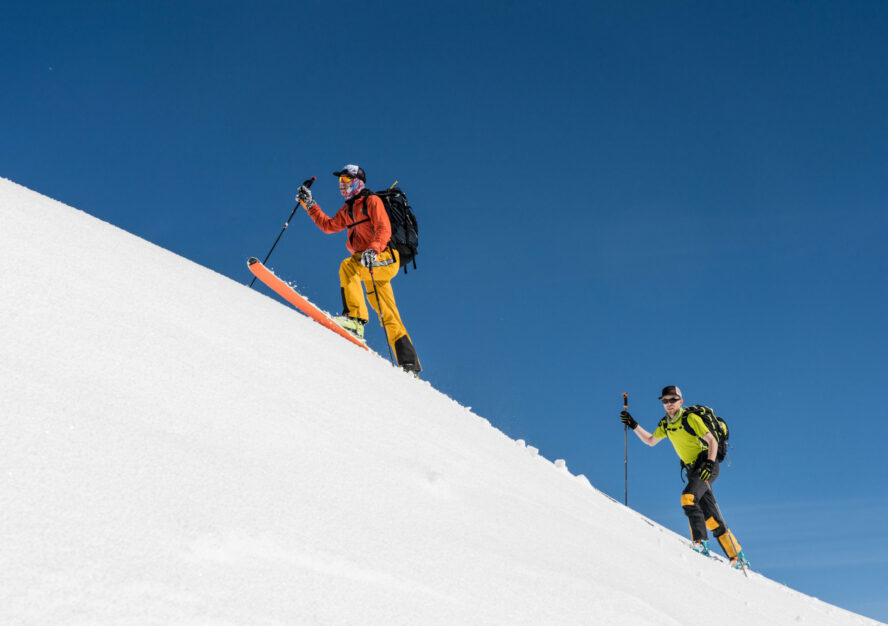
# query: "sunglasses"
(669, 400)
(345, 179)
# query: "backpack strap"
(366, 193)
(720, 445)
(351, 208)
(716, 420)
(686, 425)
(690, 431)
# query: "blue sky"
(612, 197)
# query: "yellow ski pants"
(351, 276)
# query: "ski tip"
(252, 261)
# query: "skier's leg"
(353, 302)
(716, 524)
(690, 502)
(387, 309)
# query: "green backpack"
(716, 425)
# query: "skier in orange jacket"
(369, 231)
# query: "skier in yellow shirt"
(697, 448)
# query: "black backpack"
(405, 230)
(716, 425)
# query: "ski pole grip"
(306, 184)
(625, 401)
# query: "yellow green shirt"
(687, 446)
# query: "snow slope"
(179, 449)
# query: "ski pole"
(381, 318)
(287, 223)
(626, 451)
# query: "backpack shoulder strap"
(699, 411)
(366, 193)
(351, 208)
(350, 203)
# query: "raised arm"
(644, 435)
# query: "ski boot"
(740, 561)
(701, 546)
(352, 324)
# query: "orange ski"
(289, 294)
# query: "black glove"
(303, 195)
(627, 419)
(706, 469)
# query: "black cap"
(670, 390)
(352, 171)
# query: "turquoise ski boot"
(740, 561)
(701, 546)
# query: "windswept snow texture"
(179, 449)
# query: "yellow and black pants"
(352, 275)
(698, 502)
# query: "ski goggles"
(346, 179)
(669, 400)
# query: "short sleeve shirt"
(687, 446)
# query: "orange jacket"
(370, 230)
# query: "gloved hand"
(304, 196)
(706, 469)
(368, 257)
(627, 419)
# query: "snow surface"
(179, 449)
